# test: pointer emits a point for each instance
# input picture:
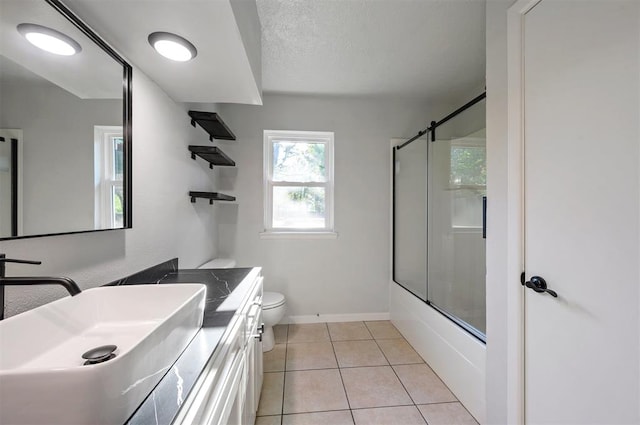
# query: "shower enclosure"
(439, 223)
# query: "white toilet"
(274, 306)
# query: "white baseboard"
(321, 318)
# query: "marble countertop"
(164, 402)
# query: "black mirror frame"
(126, 122)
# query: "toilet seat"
(272, 300)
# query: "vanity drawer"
(254, 311)
(211, 393)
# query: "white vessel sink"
(42, 376)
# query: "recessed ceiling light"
(172, 46)
(49, 39)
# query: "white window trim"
(298, 235)
(309, 136)
(105, 180)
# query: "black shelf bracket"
(211, 196)
(211, 154)
(212, 124)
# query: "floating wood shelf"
(212, 124)
(212, 155)
(211, 196)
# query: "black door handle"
(484, 217)
(539, 285)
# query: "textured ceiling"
(432, 49)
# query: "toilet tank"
(219, 263)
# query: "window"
(298, 182)
(109, 163)
(468, 180)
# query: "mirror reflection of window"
(108, 176)
(468, 180)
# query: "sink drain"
(99, 354)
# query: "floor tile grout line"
(339, 368)
(438, 402)
(387, 365)
(423, 417)
(284, 376)
(358, 408)
(344, 388)
(374, 337)
(311, 369)
(351, 339)
(386, 407)
(315, 411)
(397, 376)
(346, 367)
(423, 362)
(376, 365)
(443, 383)
(382, 351)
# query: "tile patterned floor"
(353, 373)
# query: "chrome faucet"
(67, 283)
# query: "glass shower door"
(410, 218)
(456, 199)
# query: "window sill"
(466, 229)
(298, 235)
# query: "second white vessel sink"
(43, 376)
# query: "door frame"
(515, 211)
(17, 209)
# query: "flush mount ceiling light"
(172, 46)
(49, 39)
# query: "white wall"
(165, 223)
(248, 22)
(349, 274)
(58, 151)
(497, 314)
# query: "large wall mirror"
(65, 126)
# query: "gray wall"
(347, 275)
(165, 223)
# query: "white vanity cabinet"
(253, 358)
(228, 389)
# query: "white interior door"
(581, 211)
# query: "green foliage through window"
(313, 198)
(468, 166)
(299, 162)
